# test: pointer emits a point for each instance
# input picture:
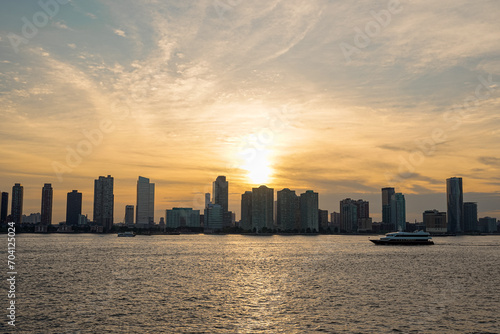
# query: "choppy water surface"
(255, 284)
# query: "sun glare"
(258, 169)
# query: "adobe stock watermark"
(92, 139)
(40, 19)
(373, 28)
(454, 119)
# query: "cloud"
(119, 32)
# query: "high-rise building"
(4, 207)
(287, 210)
(348, 216)
(323, 219)
(309, 207)
(262, 208)
(246, 211)
(488, 225)
(73, 207)
(182, 217)
(220, 189)
(454, 196)
(435, 221)
(400, 211)
(388, 209)
(47, 193)
(213, 218)
(16, 211)
(470, 217)
(145, 206)
(207, 199)
(104, 200)
(335, 221)
(129, 214)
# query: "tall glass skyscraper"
(470, 217)
(262, 208)
(455, 202)
(104, 200)
(16, 211)
(47, 192)
(388, 209)
(246, 211)
(400, 211)
(309, 211)
(145, 207)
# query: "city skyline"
(188, 91)
(103, 187)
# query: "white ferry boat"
(405, 238)
(126, 234)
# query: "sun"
(258, 169)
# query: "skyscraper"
(435, 221)
(388, 210)
(182, 217)
(220, 195)
(323, 219)
(73, 207)
(207, 199)
(470, 217)
(145, 207)
(213, 218)
(16, 210)
(47, 192)
(262, 208)
(4, 207)
(129, 214)
(104, 200)
(246, 211)
(287, 210)
(309, 207)
(348, 216)
(400, 211)
(455, 202)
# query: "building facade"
(309, 207)
(287, 210)
(348, 216)
(182, 217)
(435, 221)
(73, 207)
(145, 205)
(246, 211)
(16, 211)
(262, 208)
(213, 218)
(129, 215)
(4, 207)
(470, 217)
(455, 203)
(388, 207)
(104, 200)
(399, 211)
(46, 212)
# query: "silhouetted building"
(246, 211)
(129, 214)
(104, 201)
(309, 211)
(435, 221)
(16, 211)
(83, 220)
(73, 207)
(262, 208)
(399, 211)
(287, 210)
(470, 217)
(33, 218)
(214, 216)
(323, 219)
(365, 224)
(207, 199)
(4, 207)
(220, 189)
(488, 225)
(388, 207)
(47, 195)
(455, 202)
(145, 206)
(182, 217)
(348, 216)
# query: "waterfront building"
(4, 207)
(435, 221)
(454, 197)
(262, 208)
(73, 207)
(309, 207)
(182, 217)
(213, 218)
(16, 211)
(287, 210)
(470, 217)
(104, 200)
(145, 205)
(46, 212)
(129, 215)
(246, 211)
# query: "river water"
(254, 284)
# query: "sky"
(340, 97)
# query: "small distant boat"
(405, 238)
(126, 234)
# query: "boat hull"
(402, 242)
